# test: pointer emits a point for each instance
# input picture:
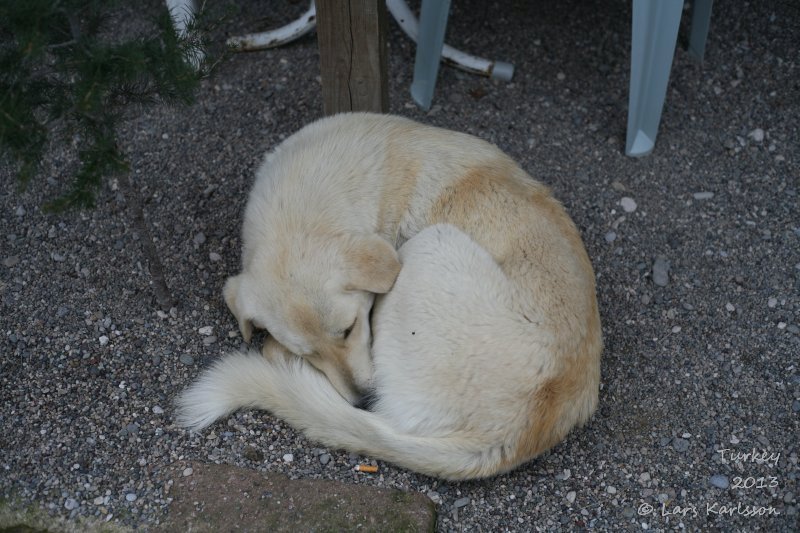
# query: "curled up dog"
(484, 353)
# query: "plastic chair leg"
(654, 34)
(701, 20)
(432, 26)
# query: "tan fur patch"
(334, 365)
(306, 320)
(486, 203)
(565, 400)
(402, 170)
(373, 265)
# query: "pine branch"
(60, 62)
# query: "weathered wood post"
(352, 54)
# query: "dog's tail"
(294, 391)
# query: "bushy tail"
(292, 390)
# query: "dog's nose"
(367, 400)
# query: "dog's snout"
(367, 400)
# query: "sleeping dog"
(486, 351)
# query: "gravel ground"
(696, 250)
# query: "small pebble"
(729, 307)
(703, 195)
(628, 512)
(676, 329)
(560, 76)
(11, 261)
(434, 496)
(186, 359)
(461, 502)
(680, 445)
(200, 238)
(720, 481)
(206, 330)
(20, 211)
(211, 339)
(214, 257)
(188, 471)
(571, 495)
(131, 497)
(661, 271)
(644, 477)
(628, 204)
(57, 257)
(103, 340)
(757, 135)
(611, 236)
(796, 406)
(611, 490)
(781, 325)
(71, 504)
(772, 302)
(288, 458)
(99, 500)
(324, 458)
(157, 410)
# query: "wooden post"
(352, 55)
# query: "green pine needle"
(57, 63)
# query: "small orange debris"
(367, 468)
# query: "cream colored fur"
(506, 360)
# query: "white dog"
(521, 354)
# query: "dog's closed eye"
(346, 333)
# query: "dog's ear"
(231, 292)
(372, 264)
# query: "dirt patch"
(228, 498)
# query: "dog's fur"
(328, 209)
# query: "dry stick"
(160, 288)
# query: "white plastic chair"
(654, 34)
